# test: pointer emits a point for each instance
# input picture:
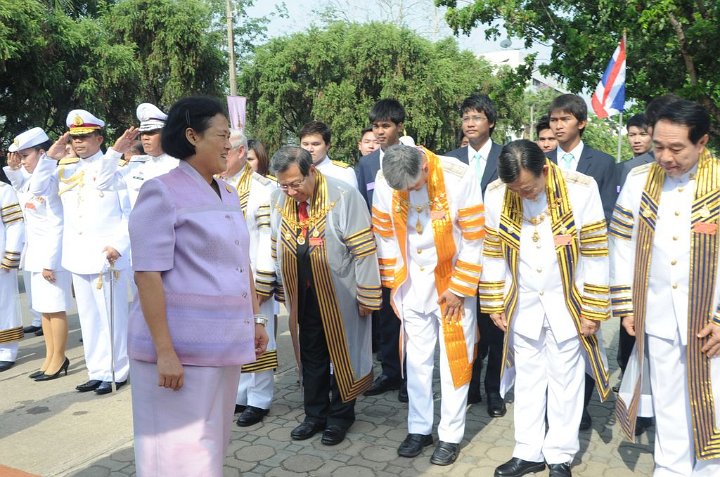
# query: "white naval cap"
(81, 122)
(150, 116)
(407, 140)
(31, 137)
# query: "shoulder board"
(342, 164)
(577, 177)
(139, 158)
(640, 169)
(271, 178)
(68, 160)
(496, 184)
(263, 180)
(122, 163)
(453, 166)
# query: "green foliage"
(337, 73)
(671, 44)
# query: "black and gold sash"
(243, 187)
(701, 306)
(562, 223)
(350, 386)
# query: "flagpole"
(619, 135)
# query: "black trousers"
(321, 397)
(389, 350)
(625, 347)
(490, 346)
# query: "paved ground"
(48, 429)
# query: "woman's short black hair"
(194, 112)
(518, 155)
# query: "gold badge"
(705, 212)
(16, 143)
(228, 188)
(397, 209)
(563, 230)
(511, 229)
(316, 233)
(78, 121)
(646, 212)
(301, 240)
(288, 236)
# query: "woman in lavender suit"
(194, 322)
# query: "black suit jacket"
(490, 173)
(601, 167)
(624, 168)
(365, 170)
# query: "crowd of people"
(509, 256)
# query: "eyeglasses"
(294, 186)
(473, 119)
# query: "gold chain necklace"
(535, 221)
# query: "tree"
(671, 44)
(336, 74)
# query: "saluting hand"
(125, 142)
(711, 348)
(454, 307)
(57, 150)
(13, 161)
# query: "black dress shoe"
(333, 435)
(474, 397)
(306, 430)
(413, 444)
(36, 374)
(239, 408)
(585, 421)
(91, 385)
(31, 329)
(642, 424)
(39, 332)
(402, 394)
(382, 384)
(251, 415)
(517, 468)
(5, 365)
(495, 405)
(560, 470)
(445, 453)
(106, 387)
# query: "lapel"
(491, 165)
(585, 160)
(552, 155)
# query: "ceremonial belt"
(701, 296)
(350, 387)
(454, 337)
(562, 223)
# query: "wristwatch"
(260, 320)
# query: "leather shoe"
(402, 394)
(89, 386)
(5, 365)
(106, 387)
(306, 430)
(382, 384)
(413, 444)
(560, 470)
(239, 408)
(495, 405)
(31, 329)
(251, 415)
(642, 424)
(517, 468)
(333, 435)
(445, 453)
(585, 421)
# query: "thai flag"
(609, 97)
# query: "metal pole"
(619, 133)
(112, 326)
(231, 48)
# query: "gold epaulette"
(497, 183)
(271, 178)
(122, 162)
(577, 177)
(342, 164)
(640, 169)
(454, 166)
(68, 160)
(263, 180)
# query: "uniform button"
(242, 269)
(422, 269)
(244, 295)
(680, 189)
(228, 217)
(419, 250)
(237, 242)
(541, 292)
(675, 237)
(677, 213)
(674, 285)
(539, 270)
(674, 262)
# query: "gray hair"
(401, 166)
(289, 155)
(237, 139)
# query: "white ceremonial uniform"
(256, 388)
(43, 239)
(666, 360)
(415, 299)
(142, 168)
(94, 218)
(11, 244)
(338, 170)
(546, 359)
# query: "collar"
(324, 162)
(484, 150)
(576, 152)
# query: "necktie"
(568, 160)
(478, 158)
(303, 216)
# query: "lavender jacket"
(200, 243)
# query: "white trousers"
(422, 332)
(93, 306)
(10, 316)
(550, 378)
(257, 389)
(674, 448)
(27, 281)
